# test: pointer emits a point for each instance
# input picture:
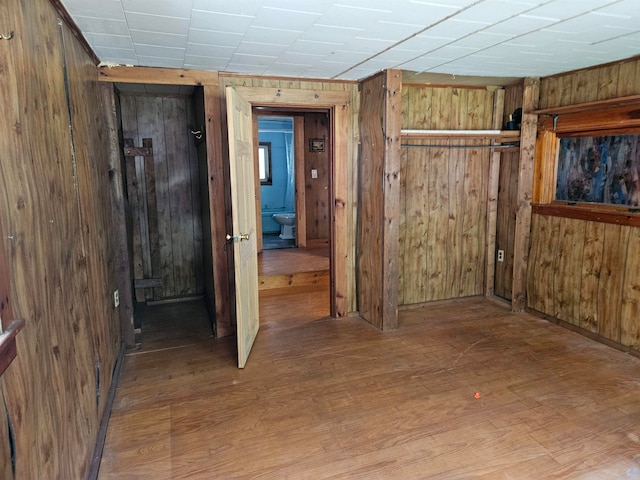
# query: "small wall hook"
(6, 37)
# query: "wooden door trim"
(301, 202)
(337, 102)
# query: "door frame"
(337, 103)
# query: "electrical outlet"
(116, 298)
(501, 255)
(314, 173)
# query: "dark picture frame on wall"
(316, 144)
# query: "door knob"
(242, 236)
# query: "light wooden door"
(244, 233)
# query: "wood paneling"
(604, 82)
(585, 273)
(316, 125)
(57, 221)
(582, 271)
(165, 195)
(444, 196)
(379, 189)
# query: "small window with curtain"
(264, 163)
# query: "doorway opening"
(168, 218)
(277, 165)
(300, 164)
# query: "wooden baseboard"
(94, 468)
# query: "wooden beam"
(116, 180)
(493, 186)
(217, 201)
(631, 100)
(544, 184)
(157, 76)
(524, 192)
(589, 213)
(300, 188)
(265, 96)
(492, 223)
(391, 200)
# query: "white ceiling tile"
(520, 25)
(108, 9)
(201, 62)
(261, 48)
(328, 34)
(209, 50)
(397, 55)
(159, 52)
(325, 38)
(272, 35)
(482, 40)
(310, 6)
(221, 22)
(101, 25)
(111, 41)
(161, 40)
(157, 23)
(159, 62)
(206, 37)
(123, 54)
(180, 9)
(245, 68)
(423, 43)
(492, 11)
(317, 48)
(281, 18)
(247, 59)
(455, 28)
(243, 7)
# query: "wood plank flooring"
(294, 266)
(336, 398)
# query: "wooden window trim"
(611, 117)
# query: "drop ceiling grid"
(351, 39)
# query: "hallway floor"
(462, 389)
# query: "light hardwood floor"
(338, 399)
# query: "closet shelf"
(496, 135)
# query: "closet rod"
(408, 145)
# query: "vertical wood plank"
(300, 172)
(218, 178)
(591, 268)
(525, 188)
(610, 286)
(371, 201)
(391, 179)
(630, 309)
(567, 268)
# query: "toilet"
(287, 223)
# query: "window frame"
(579, 120)
(265, 147)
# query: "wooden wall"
(353, 138)
(165, 199)
(582, 272)
(56, 221)
(443, 196)
(379, 192)
(207, 251)
(507, 201)
(316, 125)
